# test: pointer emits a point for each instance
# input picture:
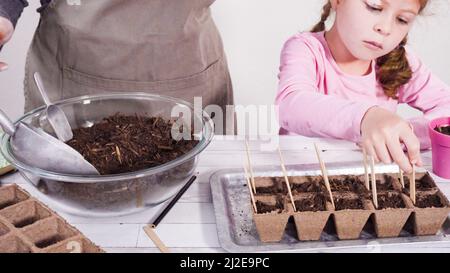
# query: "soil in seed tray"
(443, 129)
(279, 186)
(390, 200)
(263, 207)
(349, 184)
(346, 203)
(387, 184)
(315, 186)
(425, 183)
(429, 201)
(316, 203)
(121, 144)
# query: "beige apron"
(168, 47)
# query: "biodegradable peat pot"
(271, 225)
(28, 226)
(350, 222)
(429, 220)
(440, 144)
(390, 220)
(310, 219)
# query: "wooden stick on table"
(247, 148)
(286, 179)
(374, 182)
(412, 185)
(324, 173)
(366, 171)
(150, 231)
(250, 189)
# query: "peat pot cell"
(3, 229)
(311, 202)
(76, 245)
(271, 218)
(12, 244)
(390, 200)
(348, 203)
(430, 200)
(270, 185)
(350, 215)
(49, 232)
(393, 211)
(387, 183)
(11, 195)
(313, 212)
(269, 204)
(424, 182)
(348, 183)
(307, 184)
(432, 209)
(26, 213)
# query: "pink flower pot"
(440, 144)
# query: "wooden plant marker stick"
(374, 182)
(150, 231)
(412, 185)
(401, 174)
(366, 171)
(250, 189)
(139, 198)
(324, 174)
(286, 179)
(247, 148)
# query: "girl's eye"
(403, 21)
(373, 8)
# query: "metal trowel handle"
(7, 124)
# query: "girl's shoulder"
(310, 39)
(311, 43)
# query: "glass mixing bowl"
(119, 194)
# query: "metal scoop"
(55, 115)
(36, 148)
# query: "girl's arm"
(427, 93)
(303, 109)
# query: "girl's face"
(373, 28)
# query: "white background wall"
(253, 32)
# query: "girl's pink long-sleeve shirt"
(316, 99)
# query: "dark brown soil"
(121, 144)
(316, 203)
(279, 186)
(387, 185)
(263, 207)
(443, 129)
(315, 186)
(423, 184)
(349, 184)
(429, 201)
(390, 200)
(346, 203)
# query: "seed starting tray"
(240, 229)
(28, 226)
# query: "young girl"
(346, 83)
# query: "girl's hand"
(383, 133)
(6, 31)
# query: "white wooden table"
(191, 225)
